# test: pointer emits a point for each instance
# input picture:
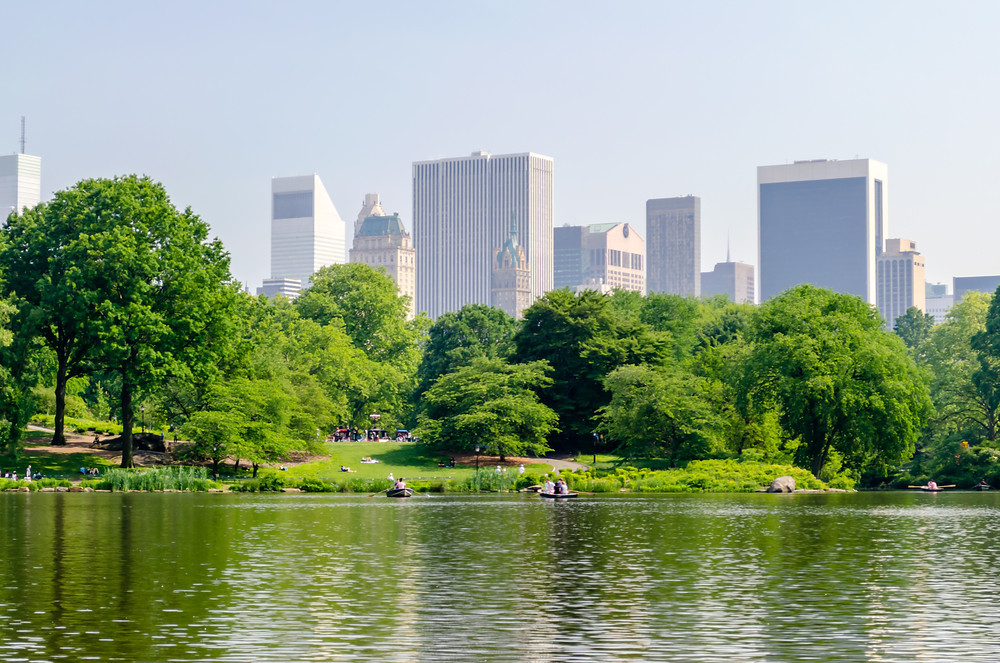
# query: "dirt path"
(75, 444)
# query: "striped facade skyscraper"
(20, 183)
(462, 211)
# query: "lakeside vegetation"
(117, 312)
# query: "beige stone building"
(381, 241)
(511, 277)
(900, 280)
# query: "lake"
(896, 576)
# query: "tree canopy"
(490, 404)
(583, 341)
(839, 381)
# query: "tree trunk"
(215, 468)
(255, 466)
(128, 418)
(59, 436)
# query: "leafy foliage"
(583, 341)
(840, 382)
(491, 404)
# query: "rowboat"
(557, 496)
(399, 492)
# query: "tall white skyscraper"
(306, 232)
(20, 183)
(821, 222)
(462, 211)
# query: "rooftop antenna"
(22, 134)
(727, 247)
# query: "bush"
(716, 476)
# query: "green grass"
(53, 464)
(405, 459)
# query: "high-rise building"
(511, 277)
(673, 245)
(601, 254)
(306, 231)
(901, 281)
(963, 284)
(821, 222)
(462, 209)
(20, 183)
(732, 279)
(938, 303)
(382, 242)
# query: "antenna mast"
(22, 134)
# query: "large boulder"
(140, 442)
(785, 484)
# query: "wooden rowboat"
(558, 496)
(399, 492)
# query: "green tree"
(163, 287)
(583, 339)
(986, 376)
(841, 383)
(369, 306)
(458, 337)
(491, 404)
(914, 327)
(366, 305)
(17, 370)
(660, 412)
(53, 268)
(960, 407)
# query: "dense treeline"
(116, 305)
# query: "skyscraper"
(462, 209)
(20, 183)
(733, 279)
(608, 254)
(382, 242)
(821, 222)
(673, 245)
(963, 284)
(306, 231)
(901, 281)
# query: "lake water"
(178, 577)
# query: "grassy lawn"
(54, 464)
(610, 462)
(36, 438)
(403, 459)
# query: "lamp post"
(375, 416)
(596, 437)
(142, 408)
(477, 468)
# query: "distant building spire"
(22, 134)
(727, 247)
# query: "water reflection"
(877, 577)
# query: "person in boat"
(982, 484)
(931, 484)
(561, 487)
(400, 484)
(549, 487)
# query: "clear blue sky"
(633, 100)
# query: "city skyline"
(775, 82)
